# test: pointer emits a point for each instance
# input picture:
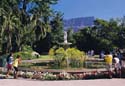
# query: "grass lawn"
(45, 57)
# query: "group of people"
(12, 64)
(90, 53)
(116, 61)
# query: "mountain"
(77, 23)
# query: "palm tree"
(7, 26)
(20, 25)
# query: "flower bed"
(64, 75)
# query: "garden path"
(99, 82)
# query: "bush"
(70, 57)
(24, 55)
(51, 52)
(60, 57)
(75, 57)
(27, 48)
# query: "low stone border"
(63, 75)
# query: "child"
(9, 64)
(15, 65)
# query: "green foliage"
(41, 27)
(51, 52)
(70, 36)
(24, 55)
(74, 53)
(60, 57)
(70, 57)
(76, 57)
(57, 29)
(19, 26)
(27, 48)
(105, 35)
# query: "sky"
(104, 9)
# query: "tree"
(20, 23)
(70, 37)
(57, 32)
(103, 36)
(8, 20)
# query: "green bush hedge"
(24, 55)
(70, 57)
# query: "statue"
(65, 37)
(65, 43)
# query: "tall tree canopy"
(105, 35)
(24, 22)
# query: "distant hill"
(77, 23)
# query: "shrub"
(27, 48)
(75, 57)
(51, 52)
(59, 57)
(70, 57)
(24, 55)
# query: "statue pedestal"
(65, 45)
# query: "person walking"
(108, 60)
(15, 65)
(117, 66)
(9, 60)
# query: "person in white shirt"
(117, 66)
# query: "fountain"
(65, 43)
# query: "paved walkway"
(25, 82)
